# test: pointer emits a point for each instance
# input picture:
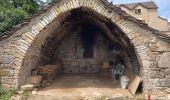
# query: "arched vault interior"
(81, 39)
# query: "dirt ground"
(82, 87)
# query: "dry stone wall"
(7, 69)
(151, 51)
(70, 53)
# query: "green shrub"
(10, 17)
(6, 94)
(25, 93)
(14, 11)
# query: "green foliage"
(13, 11)
(25, 93)
(6, 94)
(5, 3)
(10, 17)
(101, 98)
(29, 6)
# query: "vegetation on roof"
(13, 11)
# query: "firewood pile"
(49, 72)
(46, 69)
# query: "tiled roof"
(149, 5)
(162, 18)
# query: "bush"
(6, 94)
(13, 11)
(10, 17)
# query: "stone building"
(147, 13)
(80, 35)
(169, 26)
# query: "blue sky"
(163, 10)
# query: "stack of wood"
(49, 72)
(105, 69)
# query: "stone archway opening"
(81, 41)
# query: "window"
(138, 11)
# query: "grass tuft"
(6, 94)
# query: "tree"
(13, 11)
(30, 6)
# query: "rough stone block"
(34, 79)
(27, 87)
(6, 72)
(163, 46)
(166, 83)
(17, 97)
(6, 86)
(164, 60)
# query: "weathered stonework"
(70, 53)
(148, 14)
(20, 52)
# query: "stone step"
(47, 97)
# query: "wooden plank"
(133, 86)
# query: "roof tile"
(149, 5)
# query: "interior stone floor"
(82, 87)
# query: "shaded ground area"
(81, 87)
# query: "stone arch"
(139, 36)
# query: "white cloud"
(163, 16)
(109, 0)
